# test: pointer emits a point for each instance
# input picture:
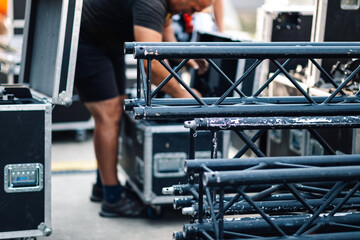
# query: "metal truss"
(303, 197)
(288, 188)
(146, 106)
(291, 206)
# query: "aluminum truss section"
(303, 208)
(146, 106)
(288, 198)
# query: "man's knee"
(106, 112)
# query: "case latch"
(23, 177)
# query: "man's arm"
(198, 64)
(219, 14)
(168, 32)
(159, 73)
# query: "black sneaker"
(126, 207)
(97, 193)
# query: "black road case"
(284, 23)
(47, 71)
(299, 142)
(152, 154)
(64, 118)
(334, 21)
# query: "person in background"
(3, 14)
(209, 20)
(218, 9)
(100, 79)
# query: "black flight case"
(46, 78)
(152, 154)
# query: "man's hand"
(201, 65)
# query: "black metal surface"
(280, 207)
(220, 164)
(24, 142)
(291, 27)
(344, 21)
(131, 103)
(268, 51)
(129, 47)
(259, 226)
(188, 112)
(276, 176)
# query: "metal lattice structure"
(281, 197)
(148, 107)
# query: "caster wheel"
(154, 212)
(81, 135)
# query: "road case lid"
(50, 47)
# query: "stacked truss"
(303, 197)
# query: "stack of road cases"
(284, 23)
(299, 142)
(152, 155)
(277, 22)
(334, 21)
(47, 71)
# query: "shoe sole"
(116, 215)
(96, 199)
(109, 215)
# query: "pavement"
(75, 217)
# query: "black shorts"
(100, 70)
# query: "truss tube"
(259, 226)
(299, 122)
(256, 51)
(283, 206)
(183, 202)
(251, 110)
(129, 47)
(277, 176)
(323, 236)
(196, 165)
(131, 103)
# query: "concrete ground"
(74, 216)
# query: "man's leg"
(107, 115)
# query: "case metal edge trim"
(47, 155)
(74, 46)
(25, 40)
(22, 107)
(148, 147)
(168, 129)
(21, 234)
(60, 47)
(317, 35)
